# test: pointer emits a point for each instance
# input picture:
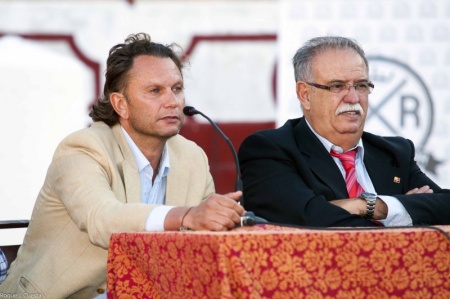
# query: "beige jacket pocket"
(30, 290)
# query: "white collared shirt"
(397, 214)
(152, 193)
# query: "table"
(281, 262)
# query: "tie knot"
(347, 159)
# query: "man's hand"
(424, 189)
(216, 213)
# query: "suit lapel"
(383, 169)
(130, 172)
(132, 182)
(177, 179)
(319, 160)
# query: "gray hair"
(304, 56)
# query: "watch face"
(368, 194)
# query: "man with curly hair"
(129, 171)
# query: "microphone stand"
(249, 218)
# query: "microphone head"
(189, 111)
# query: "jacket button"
(100, 291)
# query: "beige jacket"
(92, 190)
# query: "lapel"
(382, 167)
(178, 178)
(130, 175)
(319, 160)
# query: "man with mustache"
(130, 171)
(322, 169)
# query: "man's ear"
(303, 94)
(120, 104)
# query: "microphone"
(249, 218)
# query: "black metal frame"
(10, 251)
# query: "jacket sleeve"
(428, 208)
(85, 179)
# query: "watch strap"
(370, 209)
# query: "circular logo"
(400, 104)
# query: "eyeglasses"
(362, 88)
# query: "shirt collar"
(329, 146)
(141, 160)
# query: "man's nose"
(171, 99)
(352, 95)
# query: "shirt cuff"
(155, 220)
(397, 214)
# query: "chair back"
(10, 251)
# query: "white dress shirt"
(152, 193)
(397, 214)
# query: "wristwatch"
(370, 198)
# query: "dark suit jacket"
(289, 177)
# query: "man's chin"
(351, 129)
(170, 133)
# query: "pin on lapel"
(397, 180)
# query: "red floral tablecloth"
(276, 262)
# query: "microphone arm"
(238, 183)
(249, 218)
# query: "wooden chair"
(10, 251)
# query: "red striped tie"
(348, 161)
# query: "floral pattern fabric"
(279, 262)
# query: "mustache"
(349, 108)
